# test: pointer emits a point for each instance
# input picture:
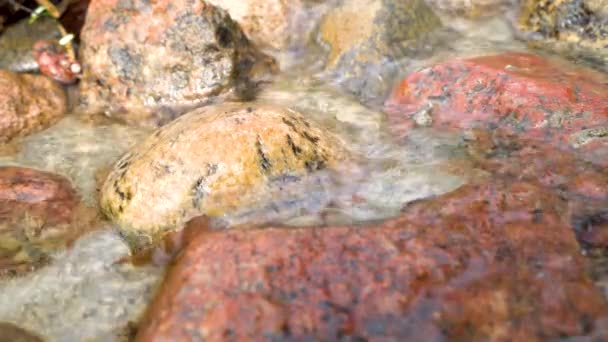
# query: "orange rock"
(28, 103)
(486, 262)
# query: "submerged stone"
(87, 284)
(147, 63)
(466, 265)
(216, 160)
(365, 38)
(39, 214)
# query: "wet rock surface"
(28, 103)
(341, 227)
(215, 160)
(17, 42)
(562, 169)
(147, 63)
(54, 62)
(527, 94)
(39, 213)
(268, 23)
(364, 38)
(463, 265)
(577, 24)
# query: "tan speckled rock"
(574, 28)
(28, 103)
(365, 37)
(272, 24)
(264, 22)
(216, 161)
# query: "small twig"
(53, 11)
(68, 46)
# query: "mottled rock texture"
(268, 23)
(536, 97)
(148, 62)
(28, 103)
(39, 213)
(215, 160)
(365, 38)
(567, 25)
(486, 262)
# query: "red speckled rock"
(529, 94)
(558, 168)
(28, 103)
(37, 212)
(54, 62)
(486, 262)
(147, 62)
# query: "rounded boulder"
(214, 161)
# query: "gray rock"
(147, 63)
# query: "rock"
(365, 38)
(147, 63)
(566, 22)
(564, 171)
(17, 41)
(216, 160)
(267, 23)
(38, 213)
(54, 61)
(466, 265)
(532, 96)
(28, 103)
(561, 169)
(13, 333)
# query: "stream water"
(87, 284)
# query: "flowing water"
(86, 293)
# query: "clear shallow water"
(87, 286)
